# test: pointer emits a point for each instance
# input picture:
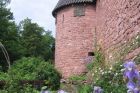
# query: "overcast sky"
(40, 11)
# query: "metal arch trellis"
(5, 54)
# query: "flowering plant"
(111, 79)
(132, 75)
(97, 89)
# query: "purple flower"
(131, 85)
(129, 65)
(61, 91)
(129, 91)
(134, 73)
(98, 89)
(136, 90)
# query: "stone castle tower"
(113, 24)
(75, 24)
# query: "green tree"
(28, 39)
(9, 36)
(29, 69)
(36, 41)
(48, 46)
(4, 2)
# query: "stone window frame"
(79, 10)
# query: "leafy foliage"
(111, 80)
(29, 89)
(35, 40)
(4, 2)
(30, 69)
(84, 89)
(3, 76)
(80, 86)
(77, 79)
(8, 34)
(25, 40)
(35, 69)
(98, 61)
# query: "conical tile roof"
(63, 3)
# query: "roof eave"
(57, 8)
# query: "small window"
(79, 10)
(91, 54)
(63, 19)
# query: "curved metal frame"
(5, 54)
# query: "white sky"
(40, 11)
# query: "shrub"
(3, 76)
(32, 69)
(77, 79)
(29, 89)
(84, 89)
(79, 82)
(48, 73)
(111, 80)
(98, 61)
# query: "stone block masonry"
(114, 23)
(118, 22)
(74, 39)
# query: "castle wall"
(74, 39)
(118, 28)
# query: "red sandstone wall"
(118, 23)
(74, 39)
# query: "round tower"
(75, 31)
